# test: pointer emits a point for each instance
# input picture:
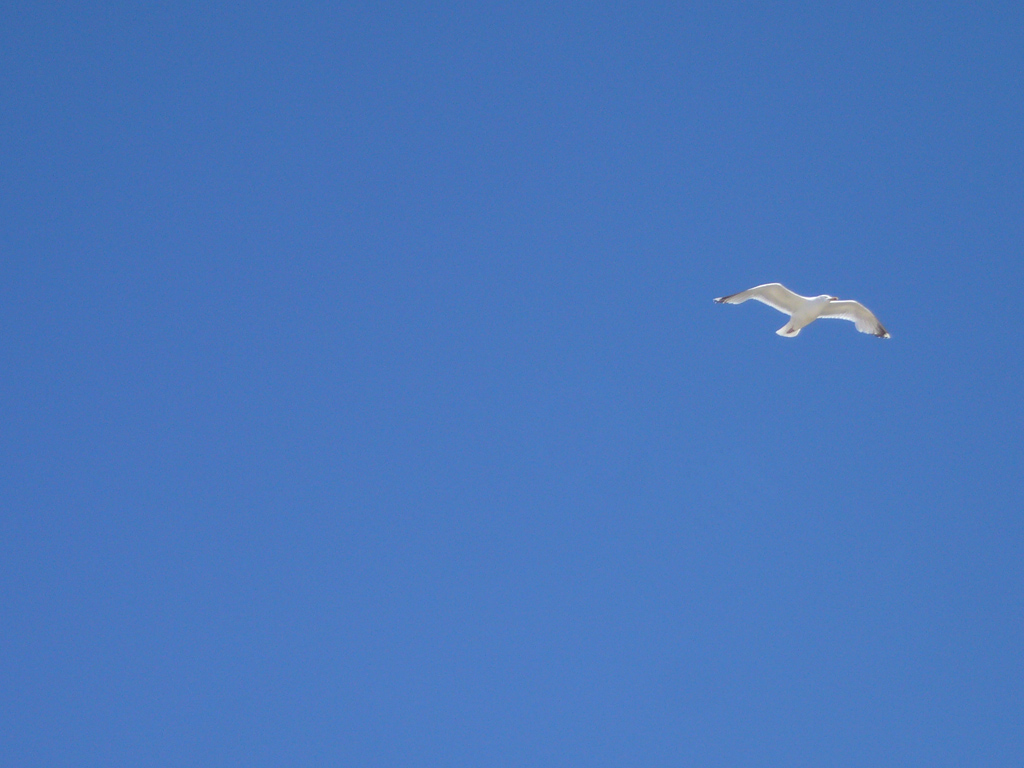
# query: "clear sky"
(364, 402)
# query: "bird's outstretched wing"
(858, 314)
(775, 295)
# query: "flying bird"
(803, 310)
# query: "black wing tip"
(724, 299)
(882, 333)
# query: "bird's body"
(804, 310)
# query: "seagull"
(804, 310)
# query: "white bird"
(804, 310)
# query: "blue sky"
(365, 404)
